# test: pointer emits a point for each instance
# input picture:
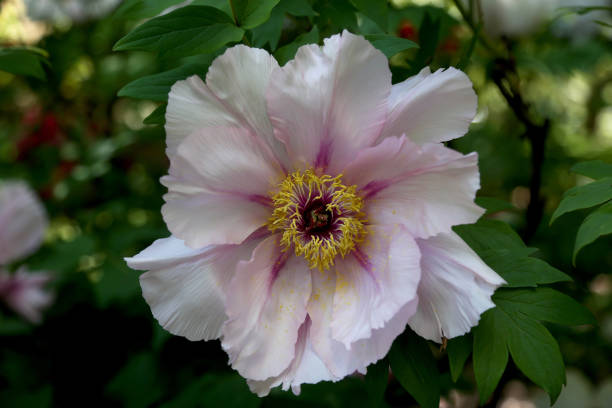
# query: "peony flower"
(311, 207)
(62, 11)
(25, 293)
(23, 222)
(514, 18)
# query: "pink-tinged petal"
(25, 293)
(306, 368)
(428, 188)
(218, 187)
(23, 221)
(266, 307)
(330, 100)
(233, 96)
(455, 289)
(339, 360)
(431, 107)
(226, 160)
(375, 283)
(185, 287)
(212, 218)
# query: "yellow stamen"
(290, 215)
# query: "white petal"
(428, 188)
(330, 100)
(338, 359)
(233, 96)
(185, 287)
(306, 368)
(23, 221)
(226, 160)
(431, 107)
(266, 307)
(25, 292)
(218, 187)
(211, 218)
(455, 289)
(375, 283)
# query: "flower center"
(319, 217)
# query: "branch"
(506, 77)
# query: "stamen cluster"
(319, 217)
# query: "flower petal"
(25, 292)
(218, 186)
(233, 96)
(329, 100)
(431, 107)
(455, 289)
(426, 188)
(226, 159)
(338, 359)
(306, 368)
(185, 287)
(375, 283)
(266, 308)
(23, 221)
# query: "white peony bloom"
(311, 207)
(23, 222)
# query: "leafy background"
(81, 120)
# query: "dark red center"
(317, 219)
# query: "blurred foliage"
(71, 124)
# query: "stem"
(536, 133)
(506, 77)
(231, 3)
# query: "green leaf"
(513, 326)
(376, 10)
(139, 9)
(520, 270)
(390, 44)
(493, 205)
(536, 353)
(335, 16)
(376, 380)
(543, 304)
(270, 31)
(299, 8)
(215, 390)
(23, 61)
(429, 33)
(490, 353)
(251, 13)
(490, 234)
(157, 86)
(585, 196)
(157, 117)
(595, 169)
(137, 384)
(415, 368)
(187, 31)
(459, 349)
(503, 250)
(597, 224)
(14, 326)
(287, 52)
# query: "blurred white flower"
(514, 18)
(22, 226)
(62, 11)
(22, 219)
(580, 27)
(25, 292)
